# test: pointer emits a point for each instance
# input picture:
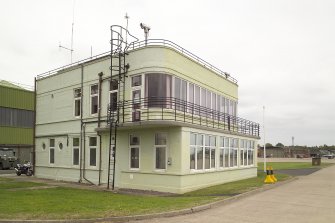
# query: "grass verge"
(291, 165)
(70, 203)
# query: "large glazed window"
(158, 88)
(16, 117)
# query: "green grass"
(70, 203)
(291, 165)
(6, 183)
(230, 189)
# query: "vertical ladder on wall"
(118, 69)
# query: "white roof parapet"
(141, 44)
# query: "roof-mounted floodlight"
(146, 31)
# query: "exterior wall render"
(55, 119)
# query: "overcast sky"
(281, 52)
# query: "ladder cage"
(118, 70)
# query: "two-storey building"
(165, 120)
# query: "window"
(245, 155)
(113, 88)
(158, 89)
(242, 157)
(94, 99)
(251, 152)
(224, 152)
(234, 149)
(134, 142)
(52, 151)
(136, 80)
(77, 102)
(75, 147)
(202, 151)
(16, 117)
(93, 151)
(180, 93)
(193, 147)
(160, 150)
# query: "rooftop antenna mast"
(127, 17)
(70, 49)
(146, 31)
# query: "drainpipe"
(81, 123)
(99, 116)
(34, 129)
(84, 155)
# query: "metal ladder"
(115, 115)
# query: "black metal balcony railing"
(173, 109)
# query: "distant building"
(169, 117)
(16, 119)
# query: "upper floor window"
(94, 99)
(77, 101)
(158, 89)
(113, 88)
(136, 80)
(16, 117)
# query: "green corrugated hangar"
(17, 119)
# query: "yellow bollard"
(272, 174)
(268, 178)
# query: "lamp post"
(264, 152)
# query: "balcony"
(176, 111)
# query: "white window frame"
(139, 152)
(96, 152)
(91, 97)
(74, 104)
(137, 88)
(112, 92)
(52, 148)
(73, 148)
(166, 151)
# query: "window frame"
(75, 148)
(74, 104)
(165, 146)
(113, 91)
(91, 147)
(136, 146)
(91, 99)
(53, 151)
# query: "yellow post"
(268, 178)
(272, 174)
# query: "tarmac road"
(311, 198)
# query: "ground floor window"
(160, 150)
(134, 145)
(224, 151)
(134, 157)
(202, 151)
(93, 151)
(75, 146)
(52, 151)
